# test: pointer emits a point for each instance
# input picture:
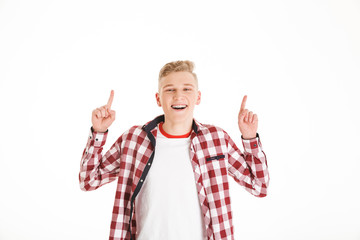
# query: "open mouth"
(179, 106)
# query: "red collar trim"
(172, 136)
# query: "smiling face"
(178, 94)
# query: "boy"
(185, 195)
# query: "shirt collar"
(148, 127)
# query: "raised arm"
(250, 168)
(96, 169)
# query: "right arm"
(95, 169)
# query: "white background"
(298, 62)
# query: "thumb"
(112, 114)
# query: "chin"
(178, 116)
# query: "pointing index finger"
(110, 99)
(243, 103)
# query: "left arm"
(249, 168)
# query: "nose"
(178, 95)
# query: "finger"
(98, 113)
(250, 116)
(103, 112)
(243, 103)
(242, 114)
(255, 118)
(112, 114)
(106, 111)
(110, 99)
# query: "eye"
(187, 89)
(169, 90)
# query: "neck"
(177, 128)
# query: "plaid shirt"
(213, 156)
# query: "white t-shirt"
(167, 206)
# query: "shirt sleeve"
(96, 169)
(250, 168)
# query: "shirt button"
(149, 163)
(254, 144)
(96, 139)
(90, 137)
(141, 180)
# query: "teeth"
(178, 106)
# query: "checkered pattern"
(214, 156)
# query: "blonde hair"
(178, 66)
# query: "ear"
(198, 100)
(157, 96)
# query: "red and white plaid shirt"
(213, 156)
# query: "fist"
(103, 117)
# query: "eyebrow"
(171, 85)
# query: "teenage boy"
(173, 171)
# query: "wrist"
(248, 137)
(99, 130)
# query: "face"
(178, 95)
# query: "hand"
(248, 122)
(103, 117)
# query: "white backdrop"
(298, 62)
